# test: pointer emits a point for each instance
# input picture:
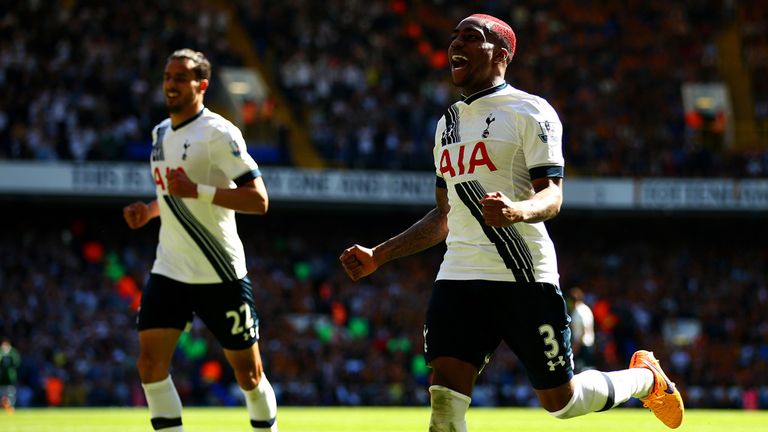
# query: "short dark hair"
(202, 66)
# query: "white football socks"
(164, 405)
(262, 406)
(636, 382)
(448, 410)
(600, 391)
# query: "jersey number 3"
(548, 332)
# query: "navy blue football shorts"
(468, 320)
(226, 308)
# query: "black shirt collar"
(469, 99)
(188, 121)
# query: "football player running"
(203, 175)
(499, 168)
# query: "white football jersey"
(497, 140)
(198, 240)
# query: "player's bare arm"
(500, 211)
(250, 197)
(138, 213)
(359, 261)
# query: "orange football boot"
(664, 399)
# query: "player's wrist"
(205, 192)
(375, 256)
(382, 254)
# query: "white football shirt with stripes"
(198, 242)
(497, 140)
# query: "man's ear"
(502, 55)
(203, 84)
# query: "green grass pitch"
(334, 419)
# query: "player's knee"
(249, 378)
(577, 404)
(555, 404)
(555, 399)
(151, 370)
(453, 373)
(565, 411)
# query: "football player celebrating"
(499, 167)
(203, 175)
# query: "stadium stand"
(85, 84)
(753, 31)
(366, 81)
(614, 72)
(697, 296)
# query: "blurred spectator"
(582, 330)
(10, 362)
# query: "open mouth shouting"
(459, 61)
(459, 67)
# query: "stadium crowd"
(754, 33)
(81, 82)
(81, 79)
(368, 79)
(371, 79)
(70, 288)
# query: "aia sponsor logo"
(465, 160)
